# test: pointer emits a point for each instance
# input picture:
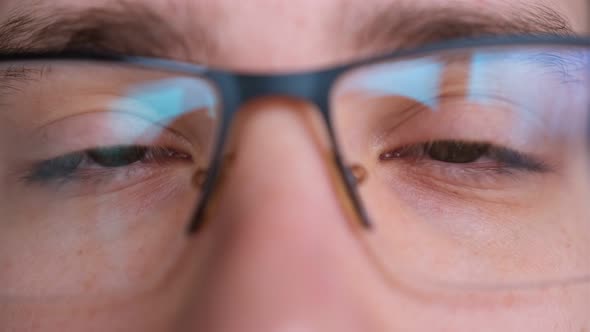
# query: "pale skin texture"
(285, 258)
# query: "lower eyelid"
(480, 166)
(457, 180)
(105, 181)
(486, 174)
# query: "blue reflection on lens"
(510, 76)
(533, 85)
(170, 98)
(416, 79)
(162, 102)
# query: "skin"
(270, 258)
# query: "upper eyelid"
(11, 76)
(47, 146)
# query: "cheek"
(550, 310)
(559, 309)
(148, 313)
(77, 253)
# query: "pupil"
(456, 152)
(117, 156)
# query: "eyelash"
(494, 161)
(86, 165)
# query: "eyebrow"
(133, 28)
(136, 29)
(407, 27)
(122, 28)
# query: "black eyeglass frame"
(313, 86)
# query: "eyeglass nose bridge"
(313, 87)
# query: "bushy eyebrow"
(404, 26)
(134, 28)
(123, 28)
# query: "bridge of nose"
(283, 250)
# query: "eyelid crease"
(167, 135)
(410, 112)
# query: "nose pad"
(354, 176)
(358, 173)
(283, 254)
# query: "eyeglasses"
(467, 162)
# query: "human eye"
(101, 159)
(471, 163)
(106, 168)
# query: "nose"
(284, 254)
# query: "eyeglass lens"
(472, 165)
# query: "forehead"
(286, 34)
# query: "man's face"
(279, 250)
